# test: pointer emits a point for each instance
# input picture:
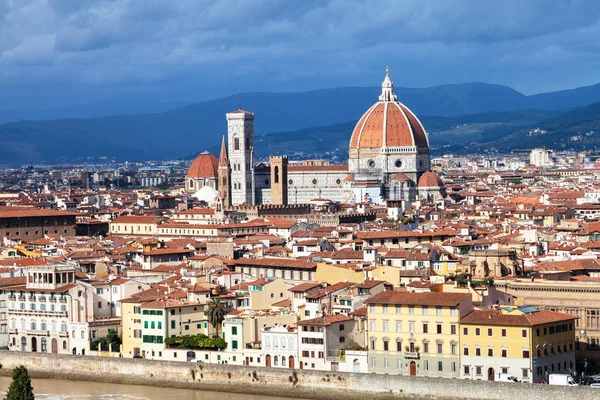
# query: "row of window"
(152, 339)
(413, 347)
(311, 354)
(401, 364)
(411, 327)
(152, 312)
(424, 310)
(490, 332)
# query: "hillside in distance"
(492, 112)
(331, 141)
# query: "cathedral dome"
(203, 166)
(429, 179)
(388, 123)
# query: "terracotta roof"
(426, 299)
(205, 165)
(429, 179)
(303, 287)
(277, 262)
(497, 317)
(391, 122)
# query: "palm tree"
(215, 311)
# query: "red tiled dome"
(429, 179)
(388, 124)
(204, 166)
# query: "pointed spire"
(223, 160)
(387, 88)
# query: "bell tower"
(279, 180)
(240, 135)
(224, 175)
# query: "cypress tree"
(20, 387)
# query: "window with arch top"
(276, 174)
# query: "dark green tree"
(215, 311)
(20, 387)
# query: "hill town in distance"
(399, 259)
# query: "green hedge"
(199, 342)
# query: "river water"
(49, 389)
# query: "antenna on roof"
(239, 100)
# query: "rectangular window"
(234, 344)
(504, 353)
(234, 330)
(524, 333)
(385, 363)
(411, 327)
(525, 353)
(386, 346)
(425, 328)
(145, 324)
(372, 325)
(439, 348)
(465, 331)
(385, 326)
(172, 324)
(453, 366)
(440, 366)
(477, 351)
(411, 310)
(385, 308)
(425, 310)
(490, 332)
(439, 329)
(503, 332)
(398, 326)
(438, 311)
(372, 308)
(453, 329)
(159, 325)
(477, 332)
(466, 370)
(397, 309)
(426, 365)
(490, 352)
(466, 351)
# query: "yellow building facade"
(416, 334)
(522, 342)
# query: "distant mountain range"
(316, 122)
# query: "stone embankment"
(277, 381)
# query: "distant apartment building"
(539, 157)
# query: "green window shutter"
(145, 324)
(159, 325)
(172, 324)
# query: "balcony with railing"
(411, 355)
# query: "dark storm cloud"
(201, 49)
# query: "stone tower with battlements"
(279, 179)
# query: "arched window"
(276, 174)
(44, 345)
(236, 143)
(291, 344)
(191, 183)
(64, 344)
(283, 361)
(275, 361)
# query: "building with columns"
(51, 312)
(388, 159)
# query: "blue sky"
(65, 52)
